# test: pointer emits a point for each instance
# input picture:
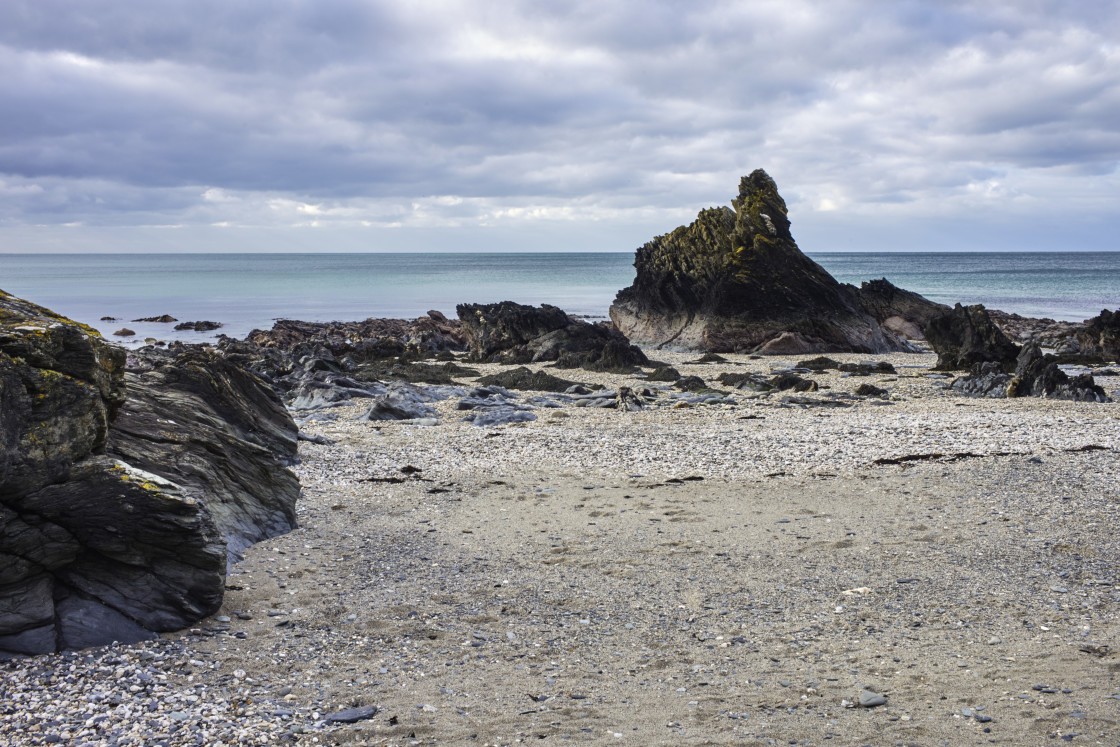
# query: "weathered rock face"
(735, 281)
(1036, 375)
(1101, 336)
(509, 332)
(93, 548)
(966, 336)
(232, 440)
(902, 312)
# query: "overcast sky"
(367, 125)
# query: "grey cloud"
(128, 111)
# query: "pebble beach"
(730, 568)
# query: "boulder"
(523, 379)
(1038, 375)
(985, 380)
(965, 336)
(117, 512)
(232, 440)
(512, 333)
(901, 311)
(735, 281)
(1100, 336)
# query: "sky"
(567, 125)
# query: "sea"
(248, 291)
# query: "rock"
(1100, 336)
(390, 408)
(96, 542)
(499, 416)
(1038, 375)
(870, 699)
(786, 381)
(322, 390)
(867, 368)
(751, 381)
(985, 380)
(497, 328)
(819, 363)
(231, 442)
(125, 332)
(197, 326)
(902, 312)
(869, 390)
(735, 281)
(690, 384)
(629, 401)
(351, 715)
(663, 373)
(966, 336)
(523, 379)
(511, 333)
(165, 319)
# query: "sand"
(718, 574)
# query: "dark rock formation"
(497, 328)
(966, 336)
(124, 332)
(866, 368)
(364, 341)
(735, 281)
(900, 311)
(231, 442)
(985, 380)
(523, 379)
(870, 390)
(751, 381)
(165, 319)
(112, 509)
(197, 326)
(819, 363)
(1036, 375)
(512, 333)
(1101, 336)
(663, 373)
(786, 381)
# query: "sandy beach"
(740, 572)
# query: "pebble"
(871, 699)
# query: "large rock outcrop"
(966, 336)
(509, 332)
(118, 534)
(735, 281)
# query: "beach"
(745, 571)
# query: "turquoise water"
(246, 291)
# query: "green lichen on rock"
(734, 280)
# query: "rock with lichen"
(118, 491)
(734, 280)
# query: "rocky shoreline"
(729, 566)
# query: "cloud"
(624, 118)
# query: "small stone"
(871, 699)
(994, 641)
(351, 715)
(983, 718)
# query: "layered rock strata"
(509, 332)
(117, 513)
